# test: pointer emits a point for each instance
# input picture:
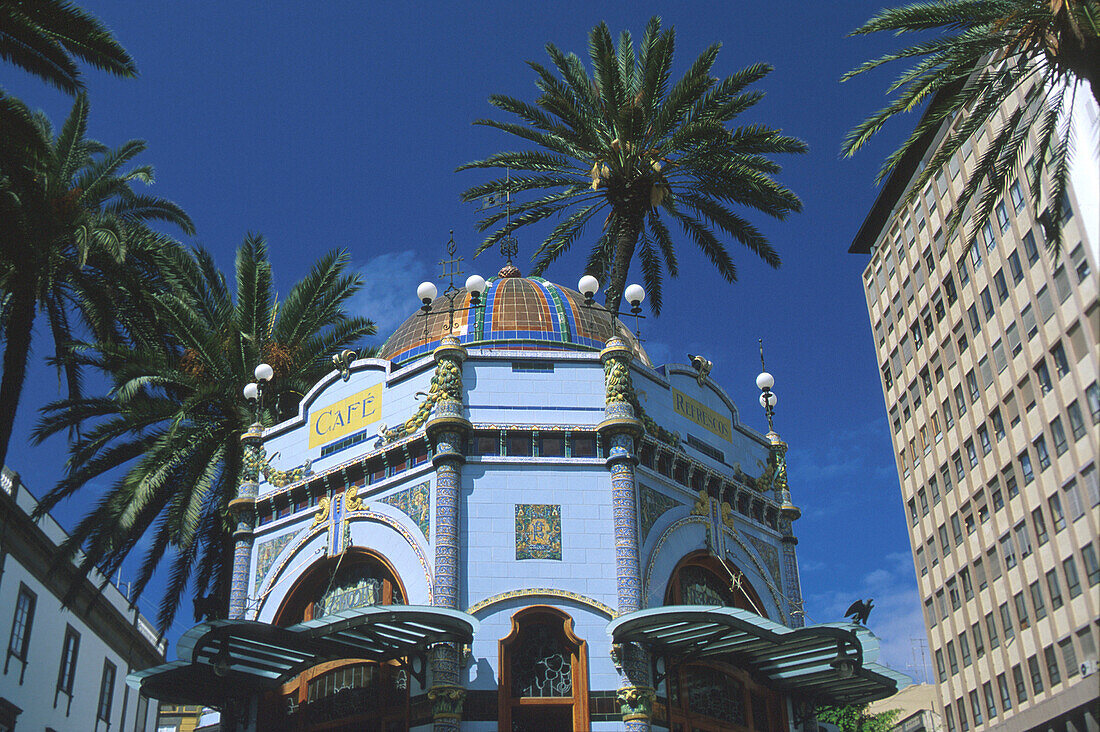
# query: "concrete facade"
(989, 363)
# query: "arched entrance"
(701, 579)
(353, 693)
(543, 674)
(716, 697)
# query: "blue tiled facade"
(535, 429)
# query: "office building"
(988, 357)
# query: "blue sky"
(339, 125)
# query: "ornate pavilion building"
(512, 520)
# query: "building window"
(991, 631)
(1054, 590)
(1073, 582)
(1006, 622)
(1000, 285)
(998, 424)
(1076, 420)
(1069, 657)
(1057, 513)
(1092, 396)
(551, 444)
(975, 321)
(544, 673)
(582, 444)
(1010, 482)
(1014, 267)
(1061, 284)
(519, 445)
(1006, 698)
(1030, 249)
(1059, 434)
(1021, 687)
(964, 273)
(953, 594)
(979, 644)
(940, 667)
(1080, 263)
(996, 496)
(960, 400)
(983, 436)
(1025, 467)
(1073, 499)
(1040, 446)
(1040, 526)
(1008, 551)
(1017, 195)
(1061, 363)
(952, 659)
(1092, 567)
(1036, 675)
(1042, 375)
(106, 695)
(1037, 600)
(66, 673)
(1023, 541)
(20, 640)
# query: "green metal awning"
(223, 659)
(833, 662)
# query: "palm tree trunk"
(625, 242)
(17, 346)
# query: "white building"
(65, 664)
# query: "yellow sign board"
(345, 416)
(702, 415)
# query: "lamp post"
(788, 512)
(634, 294)
(243, 506)
(427, 292)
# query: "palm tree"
(626, 143)
(43, 36)
(68, 218)
(172, 421)
(987, 50)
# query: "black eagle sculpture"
(859, 610)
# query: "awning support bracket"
(416, 665)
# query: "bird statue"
(859, 610)
(702, 366)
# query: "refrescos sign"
(345, 416)
(701, 415)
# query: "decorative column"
(788, 513)
(243, 510)
(447, 430)
(620, 429)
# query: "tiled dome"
(520, 313)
